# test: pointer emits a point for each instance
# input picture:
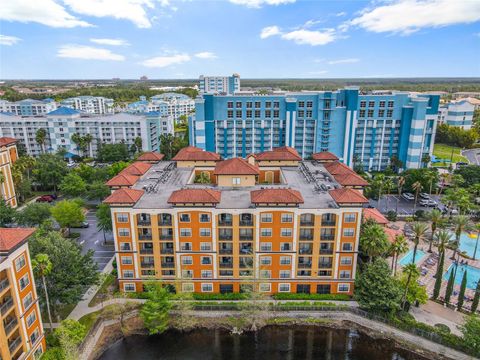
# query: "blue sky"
(101, 39)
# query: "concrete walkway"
(433, 313)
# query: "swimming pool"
(407, 259)
(473, 275)
(467, 244)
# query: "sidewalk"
(433, 313)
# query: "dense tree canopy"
(33, 214)
(49, 170)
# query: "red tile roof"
(338, 168)
(151, 156)
(392, 234)
(11, 237)
(137, 169)
(122, 180)
(199, 196)
(235, 166)
(124, 196)
(325, 156)
(192, 153)
(352, 179)
(348, 196)
(284, 153)
(276, 196)
(4, 141)
(375, 215)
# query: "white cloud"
(258, 3)
(206, 55)
(408, 16)
(111, 42)
(167, 60)
(88, 53)
(8, 40)
(319, 72)
(46, 12)
(310, 37)
(269, 31)
(343, 61)
(341, 13)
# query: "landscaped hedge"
(291, 296)
(228, 296)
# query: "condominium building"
(167, 104)
(207, 225)
(366, 129)
(8, 155)
(90, 104)
(28, 107)
(62, 123)
(457, 113)
(21, 330)
(219, 84)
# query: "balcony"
(326, 251)
(307, 223)
(166, 236)
(226, 265)
(224, 222)
(246, 250)
(168, 265)
(325, 265)
(246, 265)
(226, 251)
(147, 265)
(246, 222)
(225, 236)
(166, 250)
(14, 344)
(6, 306)
(125, 247)
(144, 223)
(305, 250)
(246, 237)
(306, 236)
(327, 237)
(146, 251)
(328, 222)
(307, 265)
(10, 326)
(4, 284)
(144, 236)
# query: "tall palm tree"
(378, 183)
(373, 240)
(398, 247)
(78, 140)
(388, 185)
(412, 272)
(400, 183)
(417, 187)
(460, 223)
(41, 138)
(419, 229)
(477, 229)
(43, 266)
(430, 177)
(435, 217)
(87, 139)
(442, 239)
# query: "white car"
(408, 196)
(429, 203)
(424, 196)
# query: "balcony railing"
(328, 222)
(146, 251)
(327, 237)
(307, 223)
(305, 251)
(164, 222)
(246, 265)
(7, 305)
(125, 248)
(166, 236)
(166, 251)
(10, 326)
(305, 266)
(145, 236)
(225, 236)
(14, 344)
(4, 284)
(325, 265)
(246, 237)
(246, 223)
(168, 265)
(306, 237)
(226, 265)
(326, 251)
(224, 223)
(144, 222)
(147, 265)
(226, 251)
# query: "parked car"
(429, 203)
(82, 225)
(45, 198)
(408, 196)
(424, 196)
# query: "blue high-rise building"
(367, 129)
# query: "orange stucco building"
(271, 221)
(8, 155)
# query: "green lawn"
(443, 151)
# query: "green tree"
(116, 167)
(104, 219)
(110, 153)
(41, 138)
(166, 145)
(419, 230)
(7, 214)
(43, 267)
(417, 187)
(461, 223)
(470, 174)
(435, 217)
(155, 311)
(87, 140)
(438, 276)
(67, 213)
(73, 185)
(49, 170)
(410, 273)
(461, 294)
(138, 144)
(202, 178)
(476, 298)
(97, 190)
(373, 240)
(470, 330)
(388, 186)
(400, 184)
(398, 247)
(414, 292)
(376, 289)
(449, 290)
(33, 214)
(78, 140)
(426, 159)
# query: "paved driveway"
(389, 202)
(472, 155)
(92, 238)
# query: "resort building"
(219, 84)
(208, 225)
(28, 107)
(168, 104)
(90, 104)
(62, 123)
(21, 330)
(8, 155)
(365, 129)
(457, 113)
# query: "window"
(265, 260)
(205, 232)
(236, 181)
(276, 104)
(249, 113)
(230, 114)
(309, 113)
(301, 113)
(187, 260)
(268, 104)
(390, 104)
(123, 232)
(371, 103)
(268, 113)
(346, 260)
(34, 337)
(370, 113)
(266, 218)
(184, 217)
(287, 218)
(286, 232)
(362, 113)
(27, 301)
(38, 353)
(186, 232)
(206, 260)
(381, 113)
(266, 232)
(205, 246)
(382, 104)
(257, 104)
(187, 287)
(347, 247)
(24, 281)
(238, 113)
(249, 104)
(276, 113)
(129, 287)
(265, 246)
(257, 113)
(187, 274)
(238, 104)
(301, 104)
(31, 318)
(309, 104)
(344, 274)
(348, 232)
(283, 287)
(363, 104)
(186, 246)
(285, 247)
(343, 287)
(230, 104)
(126, 260)
(122, 217)
(207, 287)
(127, 273)
(265, 274)
(20, 263)
(285, 274)
(349, 218)
(207, 274)
(265, 287)
(323, 289)
(204, 218)
(389, 113)
(285, 260)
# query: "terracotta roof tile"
(235, 166)
(137, 169)
(11, 237)
(392, 234)
(324, 155)
(151, 156)
(124, 196)
(192, 153)
(276, 196)
(375, 215)
(348, 196)
(352, 179)
(201, 196)
(122, 180)
(284, 153)
(338, 168)
(4, 141)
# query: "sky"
(173, 39)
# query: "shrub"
(292, 296)
(391, 215)
(443, 328)
(228, 296)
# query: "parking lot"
(405, 207)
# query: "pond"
(270, 343)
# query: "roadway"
(405, 207)
(473, 156)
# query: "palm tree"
(373, 240)
(78, 140)
(461, 223)
(419, 229)
(388, 185)
(477, 229)
(430, 177)
(41, 138)
(417, 187)
(435, 217)
(411, 271)
(43, 266)
(378, 182)
(87, 139)
(2, 181)
(444, 179)
(400, 183)
(442, 239)
(398, 247)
